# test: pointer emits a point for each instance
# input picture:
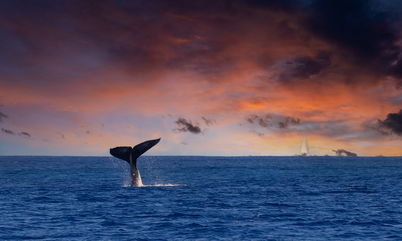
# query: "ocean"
(201, 198)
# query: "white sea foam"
(164, 185)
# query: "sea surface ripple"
(201, 198)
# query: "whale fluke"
(141, 148)
(130, 155)
(122, 152)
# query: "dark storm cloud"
(392, 124)
(304, 66)
(277, 5)
(363, 37)
(273, 121)
(7, 131)
(184, 125)
(355, 25)
(2, 116)
(24, 134)
(145, 37)
(135, 36)
(361, 29)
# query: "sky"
(213, 77)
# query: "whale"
(130, 155)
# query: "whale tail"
(130, 155)
(124, 152)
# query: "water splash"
(164, 185)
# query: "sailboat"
(304, 150)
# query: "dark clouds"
(2, 116)
(133, 36)
(7, 131)
(357, 26)
(288, 121)
(11, 132)
(281, 5)
(264, 121)
(273, 121)
(304, 67)
(362, 30)
(53, 44)
(363, 37)
(202, 36)
(392, 124)
(24, 134)
(184, 125)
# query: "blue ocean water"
(219, 198)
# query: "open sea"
(201, 198)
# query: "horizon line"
(195, 156)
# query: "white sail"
(304, 151)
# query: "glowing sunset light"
(209, 77)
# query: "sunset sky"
(216, 77)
